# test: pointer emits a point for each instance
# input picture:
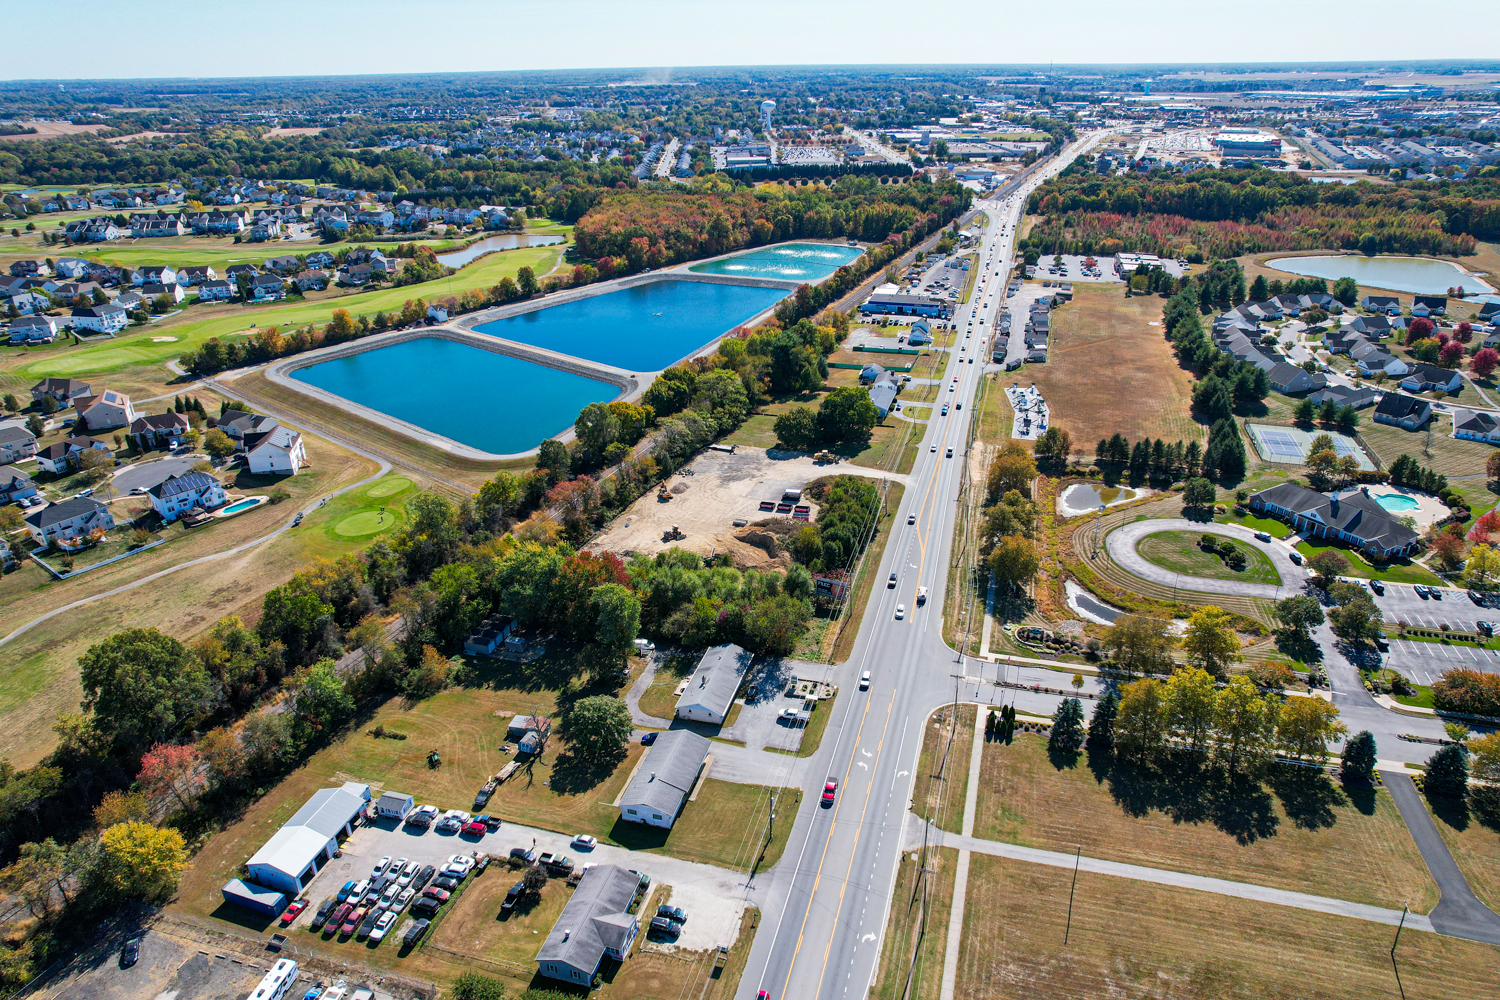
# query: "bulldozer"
(663, 494)
(825, 458)
(672, 534)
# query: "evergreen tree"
(1359, 757)
(1448, 773)
(989, 727)
(1067, 728)
(1102, 724)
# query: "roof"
(97, 312)
(395, 798)
(1424, 372)
(53, 384)
(1355, 512)
(277, 437)
(292, 848)
(1474, 421)
(158, 421)
(1395, 404)
(258, 895)
(11, 478)
(187, 482)
(327, 811)
(594, 919)
(716, 679)
(667, 774)
(65, 510)
(8, 434)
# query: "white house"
(278, 451)
(68, 520)
(711, 690)
(660, 786)
(33, 330)
(291, 858)
(1475, 425)
(16, 443)
(595, 924)
(106, 318)
(176, 495)
(437, 313)
(1428, 378)
(394, 805)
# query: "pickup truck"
(556, 864)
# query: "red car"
(338, 918)
(475, 829)
(433, 892)
(829, 790)
(296, 907)
(352, 922)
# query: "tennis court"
(1289, 445)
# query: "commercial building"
(595, 924)
(290, 860)
(1353, 517)
(661, 785)
(898, 304)
(711, 689)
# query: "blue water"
(490, 244)
(791, 261)
(241, 505)
(1419, 275)
(1396, 503)
(485, 400)
(641, 329)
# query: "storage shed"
(255, 898)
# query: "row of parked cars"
(452, 821)
(369, 907)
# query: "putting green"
(388, 487)
(363, 523)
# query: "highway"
(825, 917)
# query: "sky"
(229, 38)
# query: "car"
(415, 931)
(787, 713)
(297, 520)
(491, 823)
(912, 517)
(359, 890)
(139, 491)
(933, 448)
(557, 864)
(644, 882)
(380, 867)
(900, 612)
(474, 828)
(950, 453)
(423, 877)
(971, 361)
(1421, 591)
(404, 900)
(952, 388)
(422, 816)
(347, 890)
(676, 913)
(434, 892)
(1295, 557)
(647, 739)
(1382, 644)
(661, 925)
(521, 856)
(1436, 592)
(85, 493)
(131, 952)
(1262, 536)
(295, 907)
(513, 896)
(1485, 628)
(353, 920)
(425, 906)
(864, 681)
(945, 409)
(921, 596)
(585, 842)
(958, 406)
(368, 924)
(324, 910)
(338, 917)
(891, 583)
(830, 789)
(461, 862)
(445, 881)
(1377, 586)
(382, 925)
(406, 876)
(388, 898)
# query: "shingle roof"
(595, 918)
(1474, 421)
(667, 774)
(1355, 512)
(20, 434)
(1400, 406)
(65, 510)
(716, 679)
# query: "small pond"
(791, 261)
(1086, 496)
(485, 400)
(1418, 275)
(510, 241)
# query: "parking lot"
(1402, 603)
(1072, 269)
(1424, 662)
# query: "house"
(153, 291)
(148, 226)
(30, 268)
(437, 314)
(218, 223)
(68, 520)
(321, 258)
(1388, 304)
(238, 423)
(176, 495)
(1377, 327)
(107, 410)
(595, 924)
(897, 304)
(33, 330)
(920, 335)
(1353, 517)
(1407, 412)
(1289, 379)
(16, 443)
(1430, 378)
(156, 274)
(356, 274)
(108, 318)
(97, 230)
(883, 393)
(312, 280)
(490, 634)
(196, 275)
(60, 458)
(384, 264)
(236, 271)
(394, 805)
(16, 484)
(291, 858)
(1371, 360)
(1344, 395)
(278, 451)
(70, 267)
(284, 264)
(158, 430)
(660, 786)
(255, 898)
(1489, 312)
(266, 288)
(131, 301)
(1475, 425)
(28, 303)
(711, 689)
(1429, 305)
(215, 291)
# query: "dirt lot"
(723, 487)
(50, 130)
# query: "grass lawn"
(475, 927)
(1178, 551)
(1311, 837)
(724, 826)
(1432, 446)
(658, 975)
(913, 947)
(1269, 525)
(1472, 831)
(1422, 699)
(1089, 395)
(1394, 572)
(938, 793)
(1135, 939)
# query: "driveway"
(1122, 541)
(759, 723)
(1459, 913)
(145, 475)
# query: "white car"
(900, 611)
(461, 862)
(381, 866)
(404, 879)
(406, 896)
(585, 842)
(377, 933)
(864, 681)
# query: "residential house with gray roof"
(595, 924)
(660, 786)
(711, 689)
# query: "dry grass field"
(1139, 940)
(1434, 446)
(1473, 836)
(1315, 839)
(913, 948)
(938, 794)
(1109, 371)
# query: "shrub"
(1469, 691)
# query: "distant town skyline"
(251, 38)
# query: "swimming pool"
(240, 505)
(1396, 503)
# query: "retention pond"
(1418, 275)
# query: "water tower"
(767, 110)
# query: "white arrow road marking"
(868, 937)
(902, 774)
(862, 764)
(865, 752)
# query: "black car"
(673, 913)
(521, 857)
(661, 925)
(131, 953)
(1377, 586)
(423, 877)
(425, 906)
(513, 897)
(415, 931)
(321, 917)
(446, 883)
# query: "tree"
(1306, 726)
(1054, 446)
(1189, 707)
(322, 704)
(1346, 290)
(534, 879)
(1013, 469)
(596, 427)
(1141, 644)
(1448, 773)
(138, 861)
(471, 985)
(1014, 561)
(1359, 757)
(1245, 722)
(773, 624)
(1101, 737)
(1420, 328)
(11, 519)
(1326, 566)
(1140, 728)
(1354, 617)
(598, 727)
(1210, 640)
(1486, 751)
(617, 613)
(35, 424)
(1483, 564)
(1484, 362)
(143, 686)
(172, 768)
(11, 403)
(218, 444)
(797, 429)
(1299, 615)
(847, 415)
(553, 456)
(222, 751)
(1067, 728)
(1198, 492)
(526, 282)
(1449, 550)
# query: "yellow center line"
(828, 842)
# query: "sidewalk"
(961, 873)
